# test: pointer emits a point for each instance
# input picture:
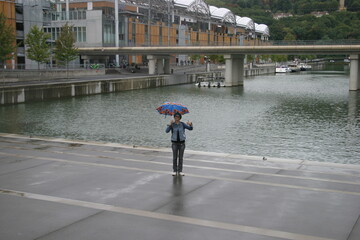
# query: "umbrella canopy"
(170, 108)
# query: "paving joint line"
(19, 170)
(352, 230)
(166, 217)
(302, 164)
(199, 176)
(158, 149)
(63, 227)
(209, 168)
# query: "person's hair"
(177, 114)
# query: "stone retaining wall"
(31, 75)
(42, 91)
(39, 92)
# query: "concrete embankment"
(15, 75)
(37, 91)
(13, 92)
(263, 70)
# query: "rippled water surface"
(310, 116)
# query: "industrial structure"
(112, 23)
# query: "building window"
(20, 42)
(19, 9)
(83, 32)
(80, 34)
(19, 26)
(134, 33)
(109, 33)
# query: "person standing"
(178, 138)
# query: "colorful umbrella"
(170, 108)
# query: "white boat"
(282, 69)
(305, 67)
(210, 84)
(203, 84)
(294, 67)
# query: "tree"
(279, 58)
(38, 50)
(289, 35)
(65, 51)
(353, 5)
(195, 57)
(7, 40)
(214, 58)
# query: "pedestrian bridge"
(159, 56)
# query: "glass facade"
(79, 33)
(63, 16)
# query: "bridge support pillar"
(234, 69)
(354, 82)
(167, 65)
(158, 64)
(151, 64)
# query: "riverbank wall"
(220, 73)
(39, 75)
(55, 90)
(41, 90)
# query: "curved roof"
(262, 29)
(245, 22)
(183, 3)
(223, 14)
(196, 6)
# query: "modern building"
(22, 15)
(7, 8)
(105, 23)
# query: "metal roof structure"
(197, 8)
(245, 22)
(262, 29)
(223, 14)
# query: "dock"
(52, 188)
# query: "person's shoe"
(173, 173)
(181, 174)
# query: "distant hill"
(304, 25)
(292, 6)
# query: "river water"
(307, 115)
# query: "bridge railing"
(244, 43)
(315, 42)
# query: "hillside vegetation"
(337, 25)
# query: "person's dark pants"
(178, 153)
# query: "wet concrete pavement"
(62, 189)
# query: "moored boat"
(210, 82)
(294, 67)
(282, 69)
(305, 67)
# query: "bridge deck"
(271, 49)
(59, 189)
